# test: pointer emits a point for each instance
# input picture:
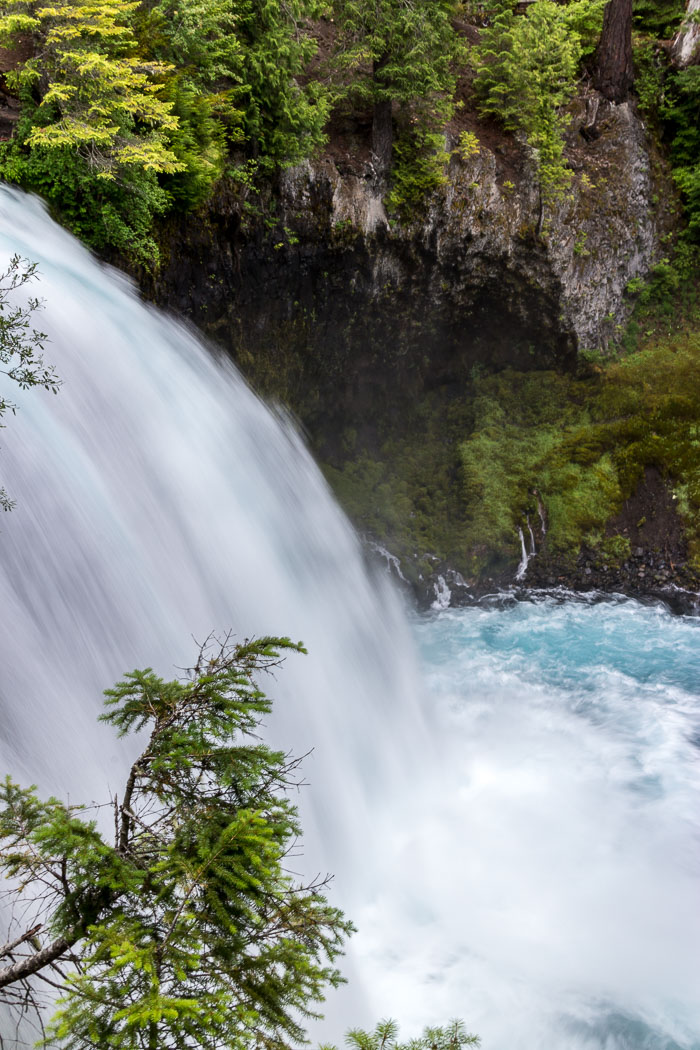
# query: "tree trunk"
(382, 127)
(614, 73)
(382, 135)
(686, 46)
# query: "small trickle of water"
(524, 557)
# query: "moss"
(615, 549)
(459, 479)
(532, 443)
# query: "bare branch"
(5, 949)
(33, 963)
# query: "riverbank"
(640, 579)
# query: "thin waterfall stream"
(507, 795)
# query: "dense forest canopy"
(130, 110)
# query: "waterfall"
(524, 557)
(158, 499)
(524, 856)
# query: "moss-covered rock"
(432, 356)
(599, 474)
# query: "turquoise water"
(545, 882)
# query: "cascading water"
(157, 500)
(526, 856)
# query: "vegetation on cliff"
(526, 72)
(131, 110)
(385, 1036)
(562, 455)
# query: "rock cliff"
(328, 303)
(375, 330)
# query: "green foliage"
(93, 134)
(154, 97)
(398, 51)
(526, 69)
(106, 214)
(468, 145)
(97, 96)
(583, 445)
(188, 926)
(650, 69)
(199, 37)
(659, 18)
(671, 100)
(21, 345)
(681, 111)
(405, 55)
(246, 57)
(284, 120)
(200, 142)
(420, 168)
(385, 1036)
(616, 549)
(528, 444)
(584, 19)
(462, 477)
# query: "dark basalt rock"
(350, 318)
(346, 316)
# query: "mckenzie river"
(508, 794)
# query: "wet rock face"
(655, 569)
(347, 315)
(608, 232)
(654, 563)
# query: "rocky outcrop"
(367, 326)
(328, 302)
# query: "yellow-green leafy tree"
(526, 69)
(96, 94)
(95, 126)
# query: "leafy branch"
(21, 345)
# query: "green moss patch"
(462, 477)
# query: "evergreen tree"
(681, 113)
(97, 95)
(284, 119)
(250, 55)
(662, 18)
(526, 70)
(93, 134)
(397, 52)
(385, 1036)
(186, 929)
